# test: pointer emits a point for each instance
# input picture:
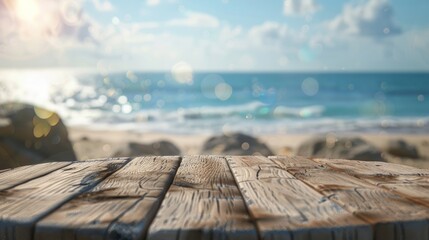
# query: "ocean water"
(255, 103)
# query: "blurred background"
(84, 79)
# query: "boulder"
(30, 135)
(161, 148)
(13, 154)
(235, 144)
(351, 148)
(400, 148)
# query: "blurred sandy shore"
(90, 144)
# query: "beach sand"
(90, 144)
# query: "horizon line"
(224, 71)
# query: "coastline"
(90, 144)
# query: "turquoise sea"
(255, 103)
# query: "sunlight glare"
(37, 87)
(27, 10)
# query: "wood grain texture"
(393, 216)
(13, 177)
(203, 203)
(277, 198)
(296, 161)
(286, 208)
(103, 159)
(372, 168)
(22, 206)
(120, 207)
(410, 182)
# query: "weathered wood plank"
(103, 159)
(120, 207)
(203, 203)
(414, 188)
(13, 177)
(296, 161)
(22, 206)
(410, 182)
(393, 216)
(286, 208)
(372, 168)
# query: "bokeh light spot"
(127, 108)
(245, 146)
(41, 127)
(386, 30)
(138, 98)
(122, 100)
(116, 21)
(331, 140)
(70, 11)
(116, 108)
(182, 72)
(310, 86)
(131, 76)
(223, 91)
(147, 97)
(53, 120)
(43, 113)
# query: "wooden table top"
(213, 197)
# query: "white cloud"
(299, 7)
(103, 5)
(269, 31)
(228, 32)
(276, 34)
(195, 19)
(153, 2)
(281, 46)
(364, 54)
(373, 18)
(231, 37)
(278, 47)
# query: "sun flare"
(34, 18)
(27, 10)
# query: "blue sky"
(216, 35)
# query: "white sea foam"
(214, 120)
